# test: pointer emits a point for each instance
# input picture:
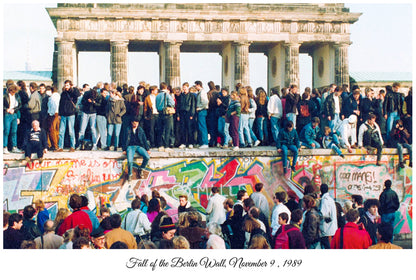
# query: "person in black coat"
(136, 142)
(35, 142)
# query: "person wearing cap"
(98, 238)
(136, 142)
(348, 132)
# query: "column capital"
(342, 44)
(173, 42)
(242, 43)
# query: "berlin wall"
(101, 177)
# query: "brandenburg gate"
(280, 31)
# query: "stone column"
(275, 67)
(172, 63)
(65, 62)
(55, 63)
(291, 64)
(241, 69)
(342, 75)
(119, 62)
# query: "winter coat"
(287, 138)
(329, 223)
(67, 102)
(310, 228)
(115, 110)
(309, 134)
(353, 238)
(389, 202)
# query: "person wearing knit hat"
(167, 230)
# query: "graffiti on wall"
(104, 182)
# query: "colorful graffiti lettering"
(104, 181)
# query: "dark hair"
(357, 198)
(68, 81)
(240, 194)
(6, 216)
(309, 189)
(84, 201)
(296, 216)
(238, 211)
(145, 199)
(154, 205)
(371, 116)
(211, 85)
(106, 224)
(215, 190)
(198, 83)
(281, 196)
(387, 184)
(284, 216)
(309, 201)
(324, 188)
(135, 204)
(75, 201)
(352, 215)
(371, 202)
(163, 85)
(255, 212)
(119, 245)
(115, 220)
(386, 231)
(289, 124)
(80, 242)
(166, 244)
(15, 217)
(248, 202)
(29, 212)
(258, 187)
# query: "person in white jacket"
(215, 209)
(348, 132)
(329, 223)
(275, 112)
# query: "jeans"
(285, 149)
(391, 118)
(334, 121)
(261, 124)
(202, 127)
(85, 119)
(212, 125)
(186, 128)
(102, 130)
(10, 128)
(389, 218)
(234, 122)
(70, 120)
(400, 147)
(325, 244)
(166, 128)
(131, 150)
(275, 126)
(291, 117)
(250, 126)
(113, 129)
(244, 130)
(223, 129)
(309, 146)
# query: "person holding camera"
(400, 138)
(329, 223)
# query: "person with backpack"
(310, 134)
(136, 222)
(305, 109)
(369, 135)
(289, 236)
(279, 198)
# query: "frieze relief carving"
(199, 26)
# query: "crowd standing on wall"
(122, 119)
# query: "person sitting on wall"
(369, 135)
(136, 142)
(310, 134)
(35, 142)
(288, 140)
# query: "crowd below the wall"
(42, 119)
(316, 221)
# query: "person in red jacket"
(352, 235)
(78, 217)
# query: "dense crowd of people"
(314, 222)
(41, 119)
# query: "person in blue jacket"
(288, 140)
(310, 134)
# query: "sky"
(381, 42)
